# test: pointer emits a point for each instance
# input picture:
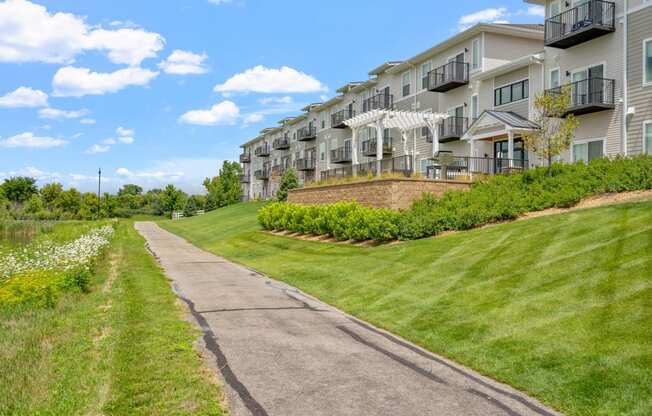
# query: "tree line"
(21, 198)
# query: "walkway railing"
(465, 167)
(401, 165)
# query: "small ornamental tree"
(556, 128)
(191, 207)
(290, 180)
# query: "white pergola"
(404, 121)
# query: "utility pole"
(99, 189)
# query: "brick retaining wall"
(378, 193)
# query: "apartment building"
(471, 98)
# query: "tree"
(19, 189)
(34, 204)
(130, 189)
(556, 129)
(50, 192)
(69, 201)
(224, 189)
(172, 199)
(191, 207)
(290, 180)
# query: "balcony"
(447, 77)
(305, 134)
(369, 148)
(453, 128)
(245, 158)
(278, 170)
(341, 155)
(338, 119)
(380, 101)
(305, 164)
(587, 21)
(262, 174)
(588, 96)
(282, 143)
(244, 178)
(262, 151)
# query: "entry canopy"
(393, 119)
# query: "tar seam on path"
(213, 346)
(412, 348)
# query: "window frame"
(474, 112)
(550, 71)
(476, 66)
(407, 73)
(525, 92)
(425, 77)
(647, 124)
(587, 141)
(646, 82)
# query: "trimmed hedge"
(499, 198)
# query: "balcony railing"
(453, 128)
(341, 155)
(307, 133)
(400, 164)
(451, 75)
(244, 178)
(262, 174)
(465, 167)
(369, 147)
(338, 119)
(245, 158)
(278, 170)
(380, 101)
(587, 21)
(305, 164)
(262, 151)
(281, 143)
(588, 96)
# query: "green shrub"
(500, 198)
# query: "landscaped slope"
(558, 306)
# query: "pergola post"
(510, 147)
(354, 151)
(379, 146)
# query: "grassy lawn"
(122, 349)
(558, 306)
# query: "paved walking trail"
(281, 352)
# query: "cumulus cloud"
(29, 140)
(125, 135)
(225, 112)
(253, 118)
(56, 114)
(24, 97)
(491, 15)
(270, 80)
(29, 33)
(184, 63)
(109, 141)
(87, 121)
(76, 82)
(98, 148)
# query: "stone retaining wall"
(378, 193)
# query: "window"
(424, 166)
(322, 151)
(323, 123)
(555, 9)
(406, 83)
(425, 132)
(475, 54)
(425, 69)
(647, 136)
(554, 78)
(588, 151)
(510, 93)
(647, 61)
(474, 108)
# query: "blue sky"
(158, 92)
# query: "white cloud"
(270, 80)
(125, 135)
(76, 82)
(29, 33)
(184, 63)
(276, 100)
(24, 97)
(77, 135)
(98, 148)
(32, 172)
(56, 114)
(218, 2)
(28, 140)
(491, 15)
(225, 112)
(253, 118)
(538, 11)
(87, 121)
(109, 141)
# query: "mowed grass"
(557, 306)
(122, 349)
